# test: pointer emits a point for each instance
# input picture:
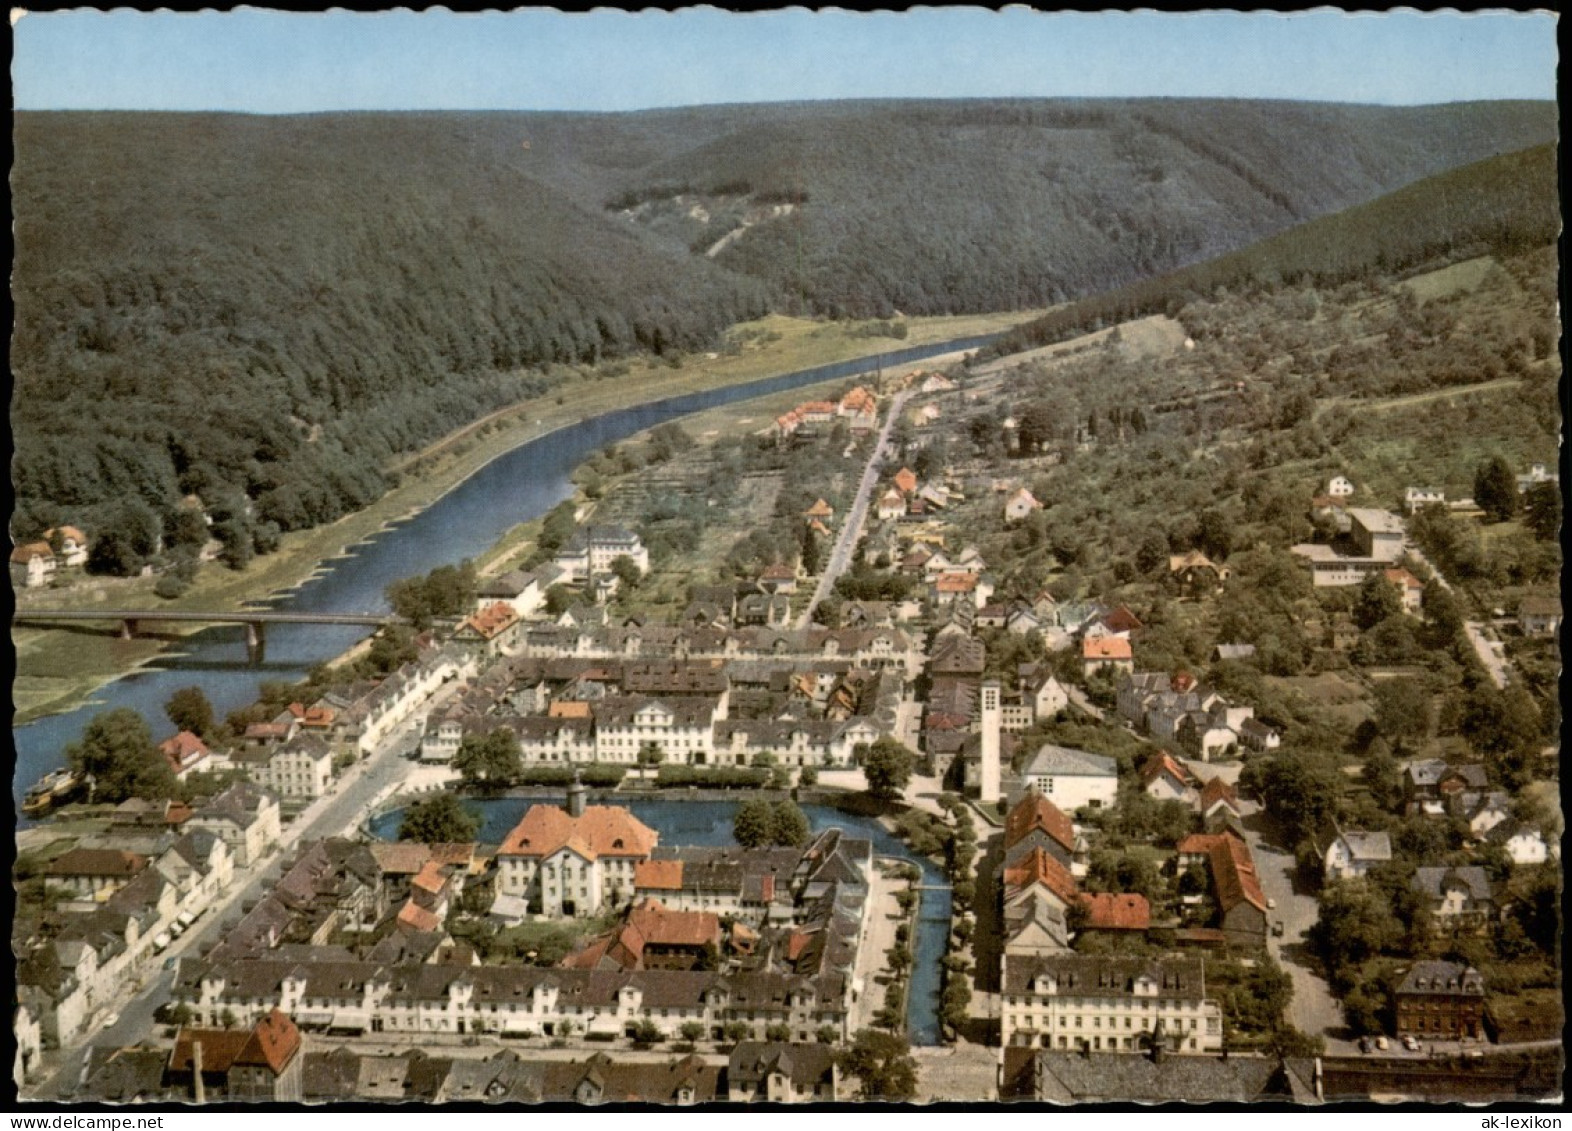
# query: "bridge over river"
(255, 620)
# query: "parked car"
(109, 1020)
(1411, 1043)
(1271, 905)
(1364, 1044)
(1382, 1044)
(1277, 929)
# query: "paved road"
(339, 813)
(1313, 1010)
(1490, 652)
(840, 557)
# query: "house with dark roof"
(1076, 1078)
(94, 874)
(1440, 1000)
(1459, 898)
(1104, 1003)
(772, 1072)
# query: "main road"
(338, 813)
(840, 557)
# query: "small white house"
(1353, 853)
(1339, 487)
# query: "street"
(338, 813)
(1313, 1010)
(851, 530)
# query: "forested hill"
(958, 206)
(268, 307)
(1501, 206)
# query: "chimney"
(988, 787)
(196, 1072)
(576, 796)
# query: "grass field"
(57, 671)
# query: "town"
(1248, 812)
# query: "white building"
(1353, 853)
(1073, 779)
(574, 862)
(1105, 1004)
(593, 549)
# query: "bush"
(596, 775)
(711, 777)
(171, 586)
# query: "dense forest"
(1502, 206)
(261, 311)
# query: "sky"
(260, 61)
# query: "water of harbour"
(708, 823)
(522, 484)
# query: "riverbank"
(59, 670)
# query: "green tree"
(1376, 600)
(692, 1031)
(626, 571)
(1402, 710)
(808, 776)
(647, 1033)
(559, 598)
(490, 762)
(1542, 510)
(780, 1032)
(754, 824)
(735, 1031)
(1356, 923)
(1299, 797)
(882, 1064)
(1495, 489)
(788, 825)
(189, 710)
(124, 540)
(827, 1035)
(438, 820)
(887, 766)
(117, 752)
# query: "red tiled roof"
(906, 479)
(569, 709)
(1034, 811)
(658, 875)
(493, 619)
(430, 878)
(1122, 620)
(1218, 790)
(271, 1043)
(1105, 648)
(820, 509)
(1163, 762)
(418, 918)
(1040, 867)
(1124, 911)
(604, 830)
(1402, 577)
(183, 750)
(956, 582)
(1234, 876)
(661, 927)
(30, 550)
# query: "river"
(522, 484)
(708, 823)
